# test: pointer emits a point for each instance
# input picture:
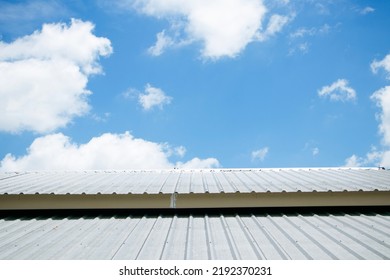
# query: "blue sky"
(194, 84)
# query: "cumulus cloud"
(260, 154)
(372, 158)
(353, 161)
(44, 76)
(338, 91)
(382, 99)
(153, 97)
(382, 64)
(108, 151)
(223, 27)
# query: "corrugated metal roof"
(196, 181)
(249, 236)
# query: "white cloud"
(302, 48)
(223, 27)
(163, 42)
(303, 31)
(44, 76)
(382, 98)
(372, 158)
(180, 151)
(383, 64)
(338, 91)
(260, 154)
(367, 10)
(197, 163)
(315, 151)
(275, 25)
(108, 151)
(153, 97)
(353, 161)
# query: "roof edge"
(194, 200)
(192, 169)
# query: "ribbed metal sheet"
(196, 181)
(249, 236)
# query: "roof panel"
(245, 236)
(196, 181)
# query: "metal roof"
(248, 236)
(196, 181)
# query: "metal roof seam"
(350, 236)
(169, 233)
(311, 238)
(187, 250)
(272, 239)
(209, 239)
(232, 245)
(253, 181)
(125, 239)
(218, 183)
(256, 248)
(368, 226)
(288, 236)
(364, 233)
(146, 238)
(352, 252)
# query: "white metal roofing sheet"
(248, 236)
(196, 181)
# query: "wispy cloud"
(44, 76)
(383, 64)
(299, 39)
(304, 31)
(367, 10)
(338, 91)
(163, 42)
(260, 154)
(275, 25)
